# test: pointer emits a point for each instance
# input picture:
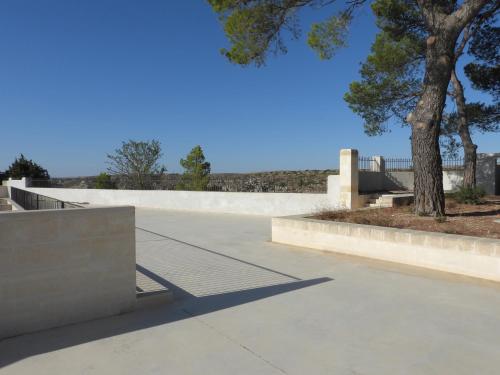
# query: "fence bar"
(32, 201)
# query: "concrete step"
(380, 205)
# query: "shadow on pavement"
(21, 347)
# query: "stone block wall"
(65, 266)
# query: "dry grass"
(465, 219)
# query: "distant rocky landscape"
(305, 181)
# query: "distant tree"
(104, 181)
(196, 171)
(22, 167)
(137, 162)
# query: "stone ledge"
(465, 255)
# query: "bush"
(104, 181)
(470, 195)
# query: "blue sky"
(78, 77)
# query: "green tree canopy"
(392, 75)
(196, 171)
(484, 71)
(104, 181)
(138, 162)
(254, 28)
(392, 78)
(22, 167)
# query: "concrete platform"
(247, 306)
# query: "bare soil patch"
(465, 219)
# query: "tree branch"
(465, 14)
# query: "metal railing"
(33, 201)
(365, 163)
(406, 164)
(453, 164)
(398, 164)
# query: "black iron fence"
(366, 163)
(406, 164)
(453, 164)
(33, 201)
(398, 164)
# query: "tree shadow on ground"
(476, 213)
(21, 347)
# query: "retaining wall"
(65, 266)
(465, 255)
(402, 180)
(272, 204)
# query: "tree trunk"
(426, 123)
(464, 133)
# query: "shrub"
(104, 181)
(470, 195)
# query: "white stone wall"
(20, 184)
(269, 204)
(464, 255)
(65, 266)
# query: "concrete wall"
(486, 172)
(465, 255)
(371, 181)
(4, 192)
(272, 204)
(402, 180)
(20, 184)
(452, 180)
(65, 266)
(399, 180)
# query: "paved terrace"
(247, 306)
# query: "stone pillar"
(349, 179)
(378, 164)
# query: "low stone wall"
(65, 266)
(464, 255)
(271, 204)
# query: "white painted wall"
(452, 180)
(21, 184)
(269, 204)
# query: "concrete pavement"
(247, 306)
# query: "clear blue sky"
(78, 77)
